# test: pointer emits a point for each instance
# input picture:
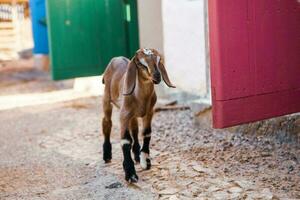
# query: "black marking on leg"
(147, 131)
(136, 149)
(146, 145)
(127, 136)
(147, 138)
(107, 151)
(128, 165)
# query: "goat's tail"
(105, 72)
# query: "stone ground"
(53, 151)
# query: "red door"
(255, 59)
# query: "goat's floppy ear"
(164, 73)
(130, 78)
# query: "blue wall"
(39, 27)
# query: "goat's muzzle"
(156, 78)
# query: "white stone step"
(7, 33)
(7, 40)
(6, 25)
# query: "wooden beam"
(13, 1)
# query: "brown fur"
(129, 86)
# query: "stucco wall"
(150, 24)
(185, 44)
(177, 29)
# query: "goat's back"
(113, 77)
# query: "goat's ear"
(164, 73)
(130, 78)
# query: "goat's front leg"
(136, 148)
(126, 142)
(145, 152)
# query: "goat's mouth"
(156, 81)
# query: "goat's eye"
(144, 67)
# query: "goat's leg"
(106, 129)
(136, 148)
(126, 141)
(145, 152)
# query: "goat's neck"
(144, 89)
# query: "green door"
(85, 34)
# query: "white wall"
(185, 44)
(177, 29)
(150, 24)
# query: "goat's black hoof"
(130, 173)
(137, 158)
(107, 152)
(148, 161)
(132, 179)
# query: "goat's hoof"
(148, 161)
(145, 161)
(107, 159)
(130, 173)
(137, 159)
(132, 179)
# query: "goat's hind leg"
(106, 129)
(136, 148)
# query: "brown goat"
(129, 85)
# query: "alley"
(54, 151)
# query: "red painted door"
(255, 59)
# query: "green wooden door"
(85, 34)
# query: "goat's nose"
(157, 76)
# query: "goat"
(129, 85)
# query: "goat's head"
(150, 67)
